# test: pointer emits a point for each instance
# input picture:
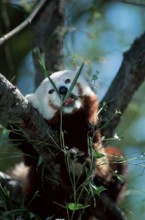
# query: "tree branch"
(106, 207)
(15, 109)
(132, 2)
(24, 24)
(128, 79)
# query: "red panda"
(87, 160)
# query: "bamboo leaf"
(73, 82)
(54, 86)
(41, 61)
(76, 206)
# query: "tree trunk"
(47, 35)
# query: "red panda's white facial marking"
(47, 101)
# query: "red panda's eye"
(51, 91)
(67, 81)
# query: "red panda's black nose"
(62, 90)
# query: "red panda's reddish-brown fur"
(78, 125)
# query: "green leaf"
(120, 178)
(97, 189)
(73, 82)
(98, 155)
(5, 133)
(41, 61)
(76, 206)
(53, 85)
(40, 161)
(2, 204)
(15, 211)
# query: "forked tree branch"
(24, 24)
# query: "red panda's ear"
(33, 99)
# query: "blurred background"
(97, 32)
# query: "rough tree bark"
(16, 110)
(128, 79)
(47, 35)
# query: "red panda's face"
(48, 101)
